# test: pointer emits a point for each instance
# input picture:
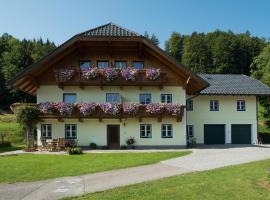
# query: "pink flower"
(86, 108)
(129, 74)
(154, 108)
(46, 108)
(109, 73)
(152, 73)
(66, 74)
(131, 108)
(173, 109)
(110, 108)
(64, 109)
(90, 73)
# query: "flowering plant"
(173, 109)
(109, 73)
(86, 108)
(110, 108)
(152, 73)
(64, 108)
(131, 108)
(66, 74)
(46, 108)
(129, 74)
(90, 73)
(154, 108)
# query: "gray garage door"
(241, 133)
(214, 134)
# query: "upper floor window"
(69, 97)
(166, 98)
(119, 64)
(46, 131)
(166, 131)
(138, 64)
(113, 97)
(214, 105)
(241, 105)
(102, 63)
(70, 131)
(85, 64)
(145, 130)
(189, 105)
(145, 98)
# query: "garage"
(241, 133)
(214, 133)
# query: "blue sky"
(59, 20)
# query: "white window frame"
(166, 131)
(167, 98)
(71, 133)
(143, 101)
(189, 105)
(113, 98)
(71, 94)
(145, 130)
(46, 131)
(190, 131)
(241, 105)
(214, 105)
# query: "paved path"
(200, 160)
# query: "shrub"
(123, 147)
(5, 144)
(93, 145)
(104, 147)
(130, 141)
(74, 150)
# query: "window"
(166, 98)
(102, 63)
(146, 130)
(145, 98)
(85, 64)
(69, 97)
(113, 98)
(166, 131)
(46, 131)
(70, 131)
(189, 105)
(190, 132)
(241, 105)
(120, 64)
(214, 105)
(138, 64)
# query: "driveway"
(201, 159)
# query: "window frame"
(166, 99)
(166, 131)
(103, 61)
(240, 105)
(69, 94)
(85, 61)
(138, 61)
(145, 131)
(123, 61)
(212, 105)
(111, 93)
(189, 105)
(46, 131)
(141, 94)
(190, 127)
(71, 131)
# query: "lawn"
(30, 167)
(247, 182)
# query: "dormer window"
(138, 65)
(120, 64)
(85, 64)
(102, 64)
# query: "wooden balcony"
(79, 80)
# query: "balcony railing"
(77, 77)
(83, 111)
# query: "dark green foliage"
(152, 39)
(74, 150)
(5, 144)
(174, 46)
(93, 145)
(264, 137)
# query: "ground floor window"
(166, 131)
(70, 131)
(146, 130)
(190, 131)
(46, 131)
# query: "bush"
(93, 145)
(5, 144)
(123, 147)
(264, 137)
(130, 141)
(74, 150)
(104, 147)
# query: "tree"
(174, 46)
(28, 117)
(153, 39)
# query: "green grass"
(12, 148)
(247, 182)
(30, 167)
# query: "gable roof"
(110, 30)
(233, 84)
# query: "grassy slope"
(247, 182)
(37, 167)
